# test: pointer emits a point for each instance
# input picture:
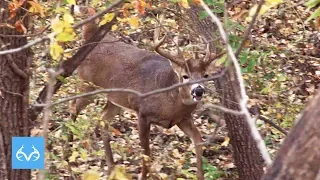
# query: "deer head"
(186, 69)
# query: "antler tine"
(210, 57)
(206, 58)
(174, 57)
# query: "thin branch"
(9, 92)
(266, 120)
(25, 35)
(14, 66)
(47, 37)
(47, 111)
(30, 44)
(248, 31)
(243, 96)
(99, 14)
(139, 94)
(223, 109)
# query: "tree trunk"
(299, 155)
(246, 154)
(14, 92)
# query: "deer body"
(115, 64)
(119, 65)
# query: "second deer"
(120, 65)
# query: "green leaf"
(72, 2)
(312, 3)
(222, 60)
(62, 79)
(203, 14)
(314, 14)
(251, 64)
(209, 2)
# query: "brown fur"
(119, 65)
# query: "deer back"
(115, 64)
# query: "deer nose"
(198, 91)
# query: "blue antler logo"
(27, 153)
(35, 154)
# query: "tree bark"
(299, 155)
(14, 92)
(246, 154)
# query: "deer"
(120, 65)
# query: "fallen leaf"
(91, 175)
(134, 22)
(20, 27)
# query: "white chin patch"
(197, 98)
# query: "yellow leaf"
(84, 154)
(55, 51)
(121, 19)
(185, 4)
(91, 175)
(67, 35)
(114, 27)
(68, 18)
(57, 25)
(268, 5)
(134, 22)
(72, 2)
(225, 142)
(119, 173)
(273, 2)
(73, 157)
(106, 18)
(36, 8)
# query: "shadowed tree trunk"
(14, 92)
(299, 155)
(245, 152)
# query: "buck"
(120, 65)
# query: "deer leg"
(192, 132)
(79, 104)
(144, 134)
(76, 107)
(109, 111)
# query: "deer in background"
(120, 65)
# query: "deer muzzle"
(197, 92)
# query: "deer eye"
(206, 76)
(185, 77)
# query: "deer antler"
(210, 57)
(175, 56)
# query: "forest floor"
(285, 77)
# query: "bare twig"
(248, 31)
(99, 14)
(14, 66)
(30, 44)
(47, 112)
(47, 37)
(221, 108)
(243, 96)
(266, 120)
(25, 35)
(9, 92)
(139, 94)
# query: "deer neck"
(89, 30)
(185, 98)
